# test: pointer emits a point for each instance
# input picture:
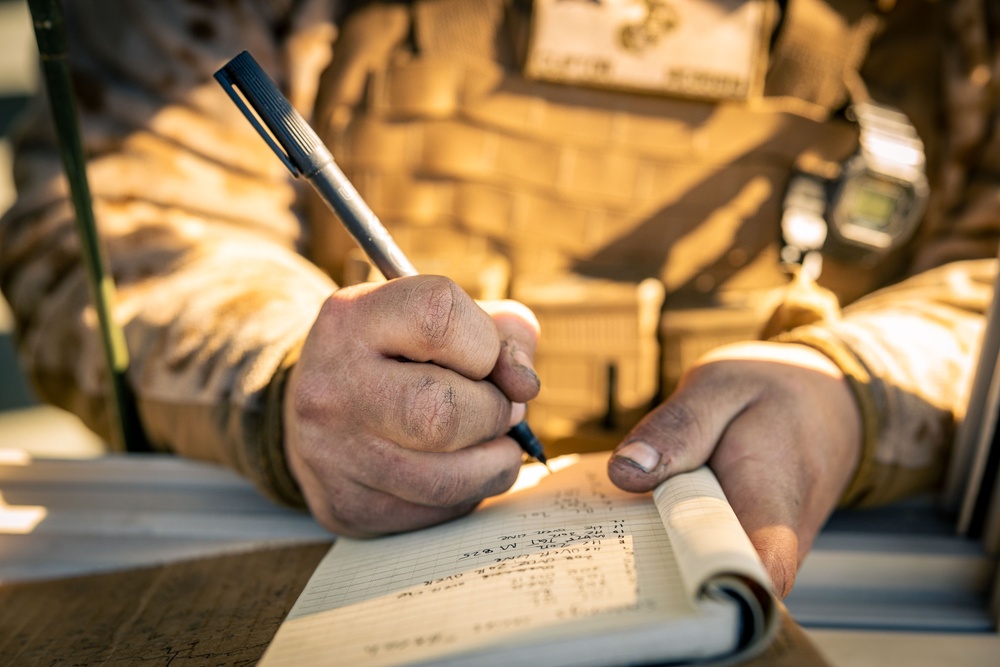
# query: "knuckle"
(437, 300)
(433, 415)
(446, 488)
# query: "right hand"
(396, 411)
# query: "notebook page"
(571, 553)
(707, 537)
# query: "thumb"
(681, 434)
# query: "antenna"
(126, 429)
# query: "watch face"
(872, 209)
(877, 201)
(873, 203)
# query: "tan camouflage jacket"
(215, 291)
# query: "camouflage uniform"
(222, 262)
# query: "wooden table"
(221, 610)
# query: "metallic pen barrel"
(301, 150)
(361, 222)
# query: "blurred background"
(927, 581)
(24, 423)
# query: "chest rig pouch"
(710, 49)
(638, 218)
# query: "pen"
(302, 151)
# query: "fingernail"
(639, 454)
(521, 359)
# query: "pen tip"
(528, 442)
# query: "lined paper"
(707, 536)
(569, 556)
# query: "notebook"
(563, 569)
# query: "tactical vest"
(642, 229)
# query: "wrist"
(859, 382)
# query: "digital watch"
(873, 206)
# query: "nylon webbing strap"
(819, 50)
(463, 28)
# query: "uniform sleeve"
(910, 350)
(197, 220)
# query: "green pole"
(126, 429)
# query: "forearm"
(196, 217)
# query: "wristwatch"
(874, 205)
(880, 197)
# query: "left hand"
(779, 426)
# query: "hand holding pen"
(376, 435)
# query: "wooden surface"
(213, 611)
